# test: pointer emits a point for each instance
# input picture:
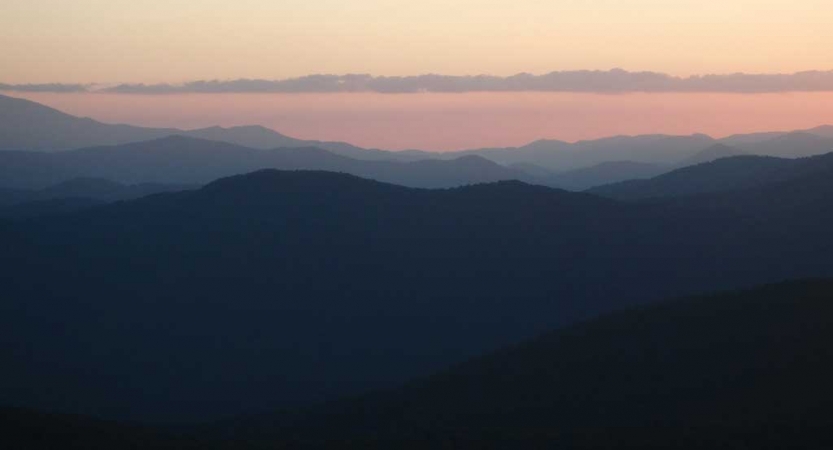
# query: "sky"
(152, 41)
(119, 44)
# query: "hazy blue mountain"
(280, 289)
(264, 138)
(823, 131)
(654, 149)
(545, 154)
(532, 169)
(746, 369)
(184, 160)
(559, 156)
(751, 138)
(605, 173)
(754, 138)
(727, 174)
(709, 154)
(27, 126)
(791, 145)
(662, 150)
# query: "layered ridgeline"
(184, 160)
(747, 369)
(280, 289)
(26, 126)
(726, 174)
(30, 126)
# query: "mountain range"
(722, 175)
(184, 160)
(22, 125)
(280, 289)
(371, 299)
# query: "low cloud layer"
(613, 81)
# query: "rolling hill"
(746, 369)
(282, 289)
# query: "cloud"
(612, 81)
(48, 87)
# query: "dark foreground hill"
(739, 370)
(280, 289)
(747, 369)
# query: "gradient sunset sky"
(171, 41)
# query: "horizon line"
(613, 81)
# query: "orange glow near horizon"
(106, 41)
(457, 121)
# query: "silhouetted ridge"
(747, 368)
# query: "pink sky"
(457, 121)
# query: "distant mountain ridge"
(185, 160)
(26, 125)
(721, 175)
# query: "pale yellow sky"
(152, 41)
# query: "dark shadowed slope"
(727, 174)
(738, 370)
(75, 194)
(35, 430)
(277, 289)
(178, 159)
(92, 188)
(747, 369)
